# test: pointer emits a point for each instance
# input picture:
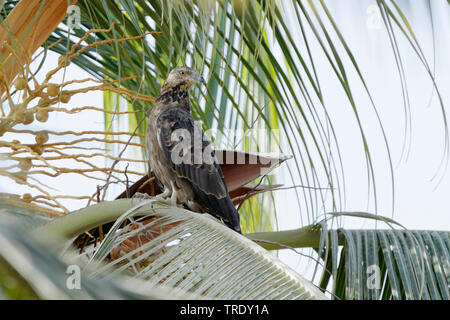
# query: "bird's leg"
(141, 196)
(174, 196)
(163, 196)
(169, 196)
(193, 206)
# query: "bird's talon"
(141, 196)
(138, 196)
(159, 198)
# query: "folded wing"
(190, 155)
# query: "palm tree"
(261, 73)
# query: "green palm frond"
(390, 264)
(373, 264)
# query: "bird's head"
(184, 77)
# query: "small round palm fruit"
(42, 115)
(25, 164)
(19, 116)
(43, 102)
(21, 177)
(20, 83)
(27, 197)
(52, 90)
(29, 117)
(37, 148)
(41, 137)
(15, 144)
(65, 97)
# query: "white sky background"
(418, 205)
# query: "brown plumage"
(181, 157)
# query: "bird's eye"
(182, 73)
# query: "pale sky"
(420, 202)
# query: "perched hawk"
(181, 157)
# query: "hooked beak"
(199, 78)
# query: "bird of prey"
(181, 157)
